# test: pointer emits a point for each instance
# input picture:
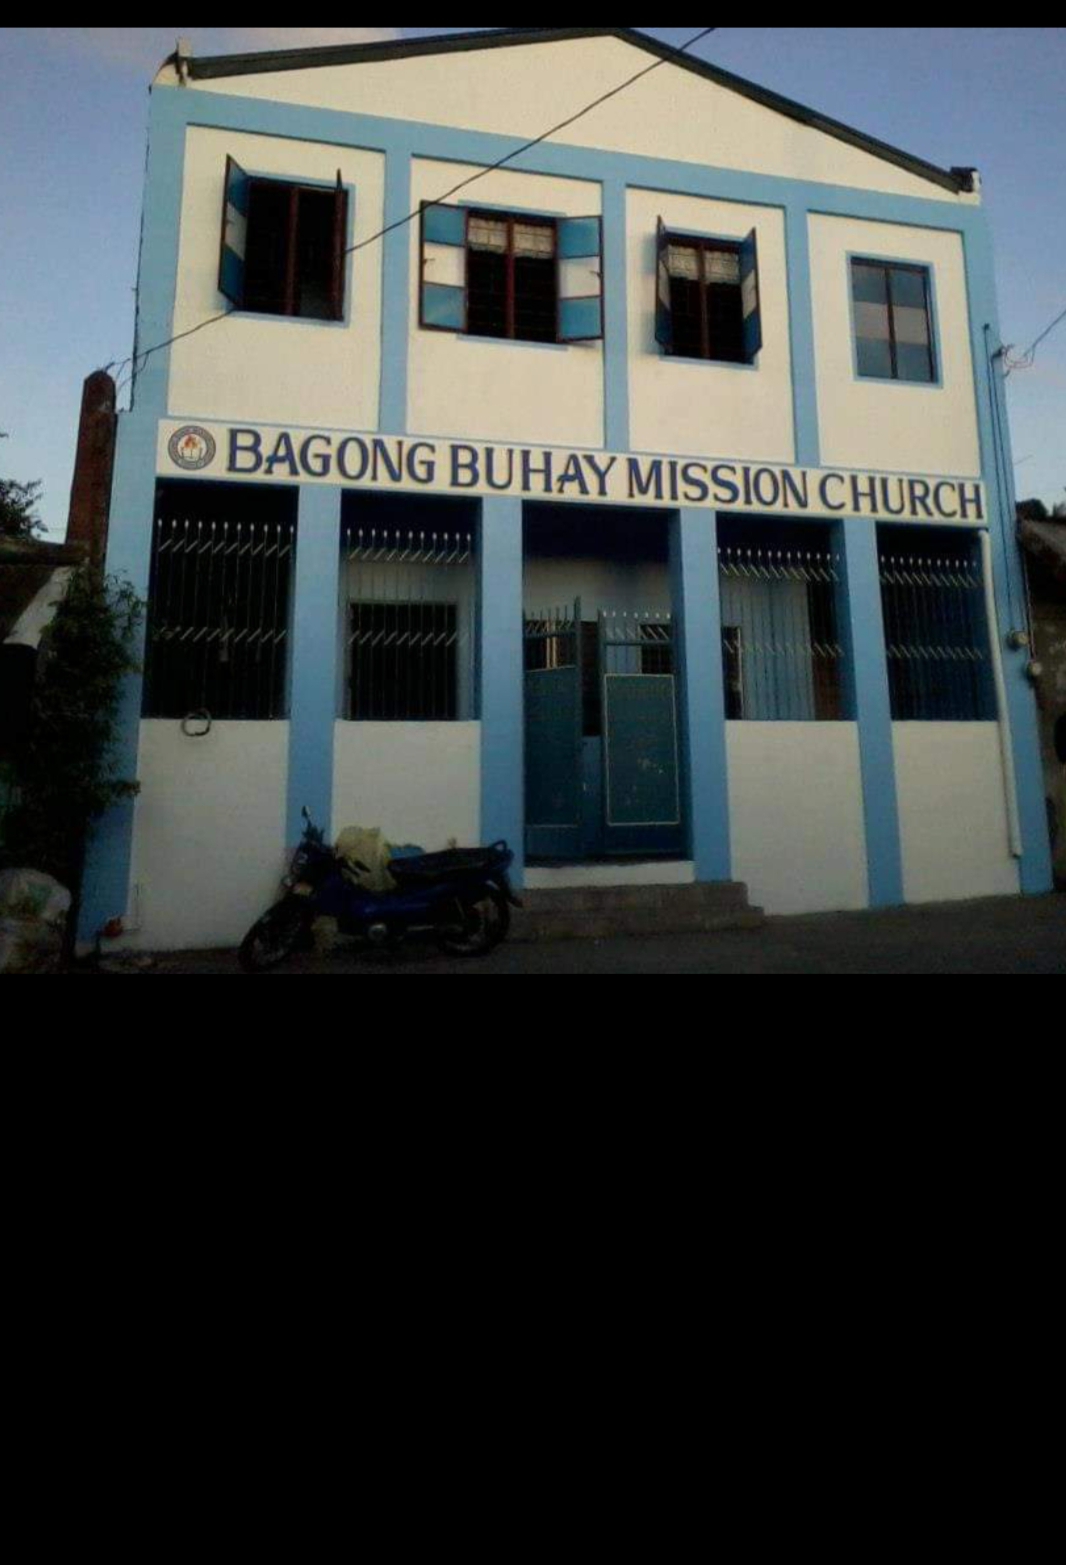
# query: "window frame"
(344, 279)
(558, 222)
(717, 244)
(890, 263)
(512, 219)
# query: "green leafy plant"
(18, 507)
(65, 768)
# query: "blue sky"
(73, 119)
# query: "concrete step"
(601, 913)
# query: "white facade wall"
(486, 389)
(419, 782)
(796, 815)
(518, 91)
(690, 408)
(209, 833)
(270, 369)
(952, 812)
(210, 822)
(892, 426)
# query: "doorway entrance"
(601, 713)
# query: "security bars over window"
(218, 618)
(936, 634)
(410, 630)
(783, 659)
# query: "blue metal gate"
(641, 752)
(553, 731)
(602, 753)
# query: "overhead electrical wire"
(537, 141)
(1028, 358)
(139, 360)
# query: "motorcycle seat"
(456, 863)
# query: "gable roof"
(956, 180)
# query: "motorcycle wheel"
(485, 926)
(275, 936)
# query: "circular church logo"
(192, 448)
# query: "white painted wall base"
(952, 812)
(208, 835)
(418, 782)
(796, 815)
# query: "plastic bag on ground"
(33, 913)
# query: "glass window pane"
(912, 326)
(488, 234)
(869, 284)
(875, 358)
(683, 262)
(871, 320)
(914, 363)
(723, 266)
(908, 289)
(534, 240)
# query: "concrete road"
(1005, 935)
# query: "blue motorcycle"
(462, 899)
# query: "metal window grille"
(218, 618)
(411, 606)
(936, 637)
(641, 643)
(781, 651)
(551, 640)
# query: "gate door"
(553, 734)
(641, 772)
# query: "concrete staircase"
(603, 912)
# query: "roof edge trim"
(210, 68)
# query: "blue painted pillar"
(801, 328)
(701, 690)
(313, 678)
(615, 317)
(864, 634)
(500, 660)
(396, 293)
(105, 886)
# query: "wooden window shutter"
(234, 233)
(443, 292)
(580, 263)
(750, 299)
(664, 310)
(340, 257)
